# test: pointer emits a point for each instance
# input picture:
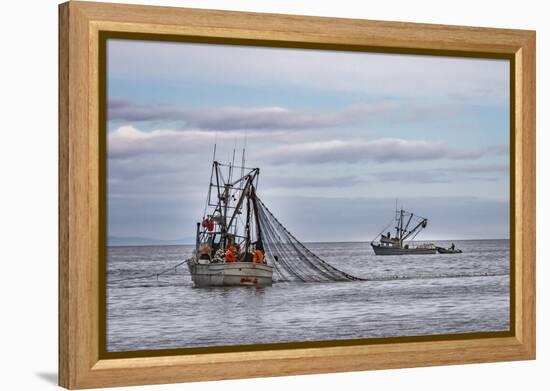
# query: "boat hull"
(230, 274)
(382, 250)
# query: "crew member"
(258, 256)
(208, 223)
(204, 252)
(230, 254)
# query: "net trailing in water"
(292, 261)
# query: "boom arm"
(422, 224)
(244, 194)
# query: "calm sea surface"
(411, 295)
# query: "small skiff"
(443, 250)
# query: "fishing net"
(291, 260)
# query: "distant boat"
(450, 250)
(401, 243)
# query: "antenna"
(244, 156)
(211, 177)
(232, 165)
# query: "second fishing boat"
(403, 241)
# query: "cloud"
(478, 168)
(411, 177)
(309, 182)
(381, 150)
(144, 166)
(442, 175)
(471, 172)
(240, 118)
(501, 150)
(128, 141)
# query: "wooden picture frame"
(81, 363)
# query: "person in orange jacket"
(258, 256)
(230, 254)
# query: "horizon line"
(310, 242)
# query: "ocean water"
(410, 295)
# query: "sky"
(339, 138)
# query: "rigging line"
(381, 232)
(414, 236)
(148, 275)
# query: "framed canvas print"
(247, 195)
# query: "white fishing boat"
(229, 250)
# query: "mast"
(247, 226)
(256, 215)
(231, 166)
(197, 238)
(233, 195)
(243, 157)
(401, 228)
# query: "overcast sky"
(338, 136)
